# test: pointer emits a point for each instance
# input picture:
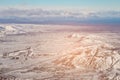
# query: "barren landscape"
(59, 52)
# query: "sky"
(60, 11)
(73, 4)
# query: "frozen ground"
(59, 52)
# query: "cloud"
(14, 15)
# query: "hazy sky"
(77, 4)
(75, 11)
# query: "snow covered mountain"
(9, 30)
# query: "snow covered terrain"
(7, 30)
(59, 52)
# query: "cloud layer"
(40, 16)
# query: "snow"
(55, 52)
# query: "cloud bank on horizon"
(60, 11)
(41, 16)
